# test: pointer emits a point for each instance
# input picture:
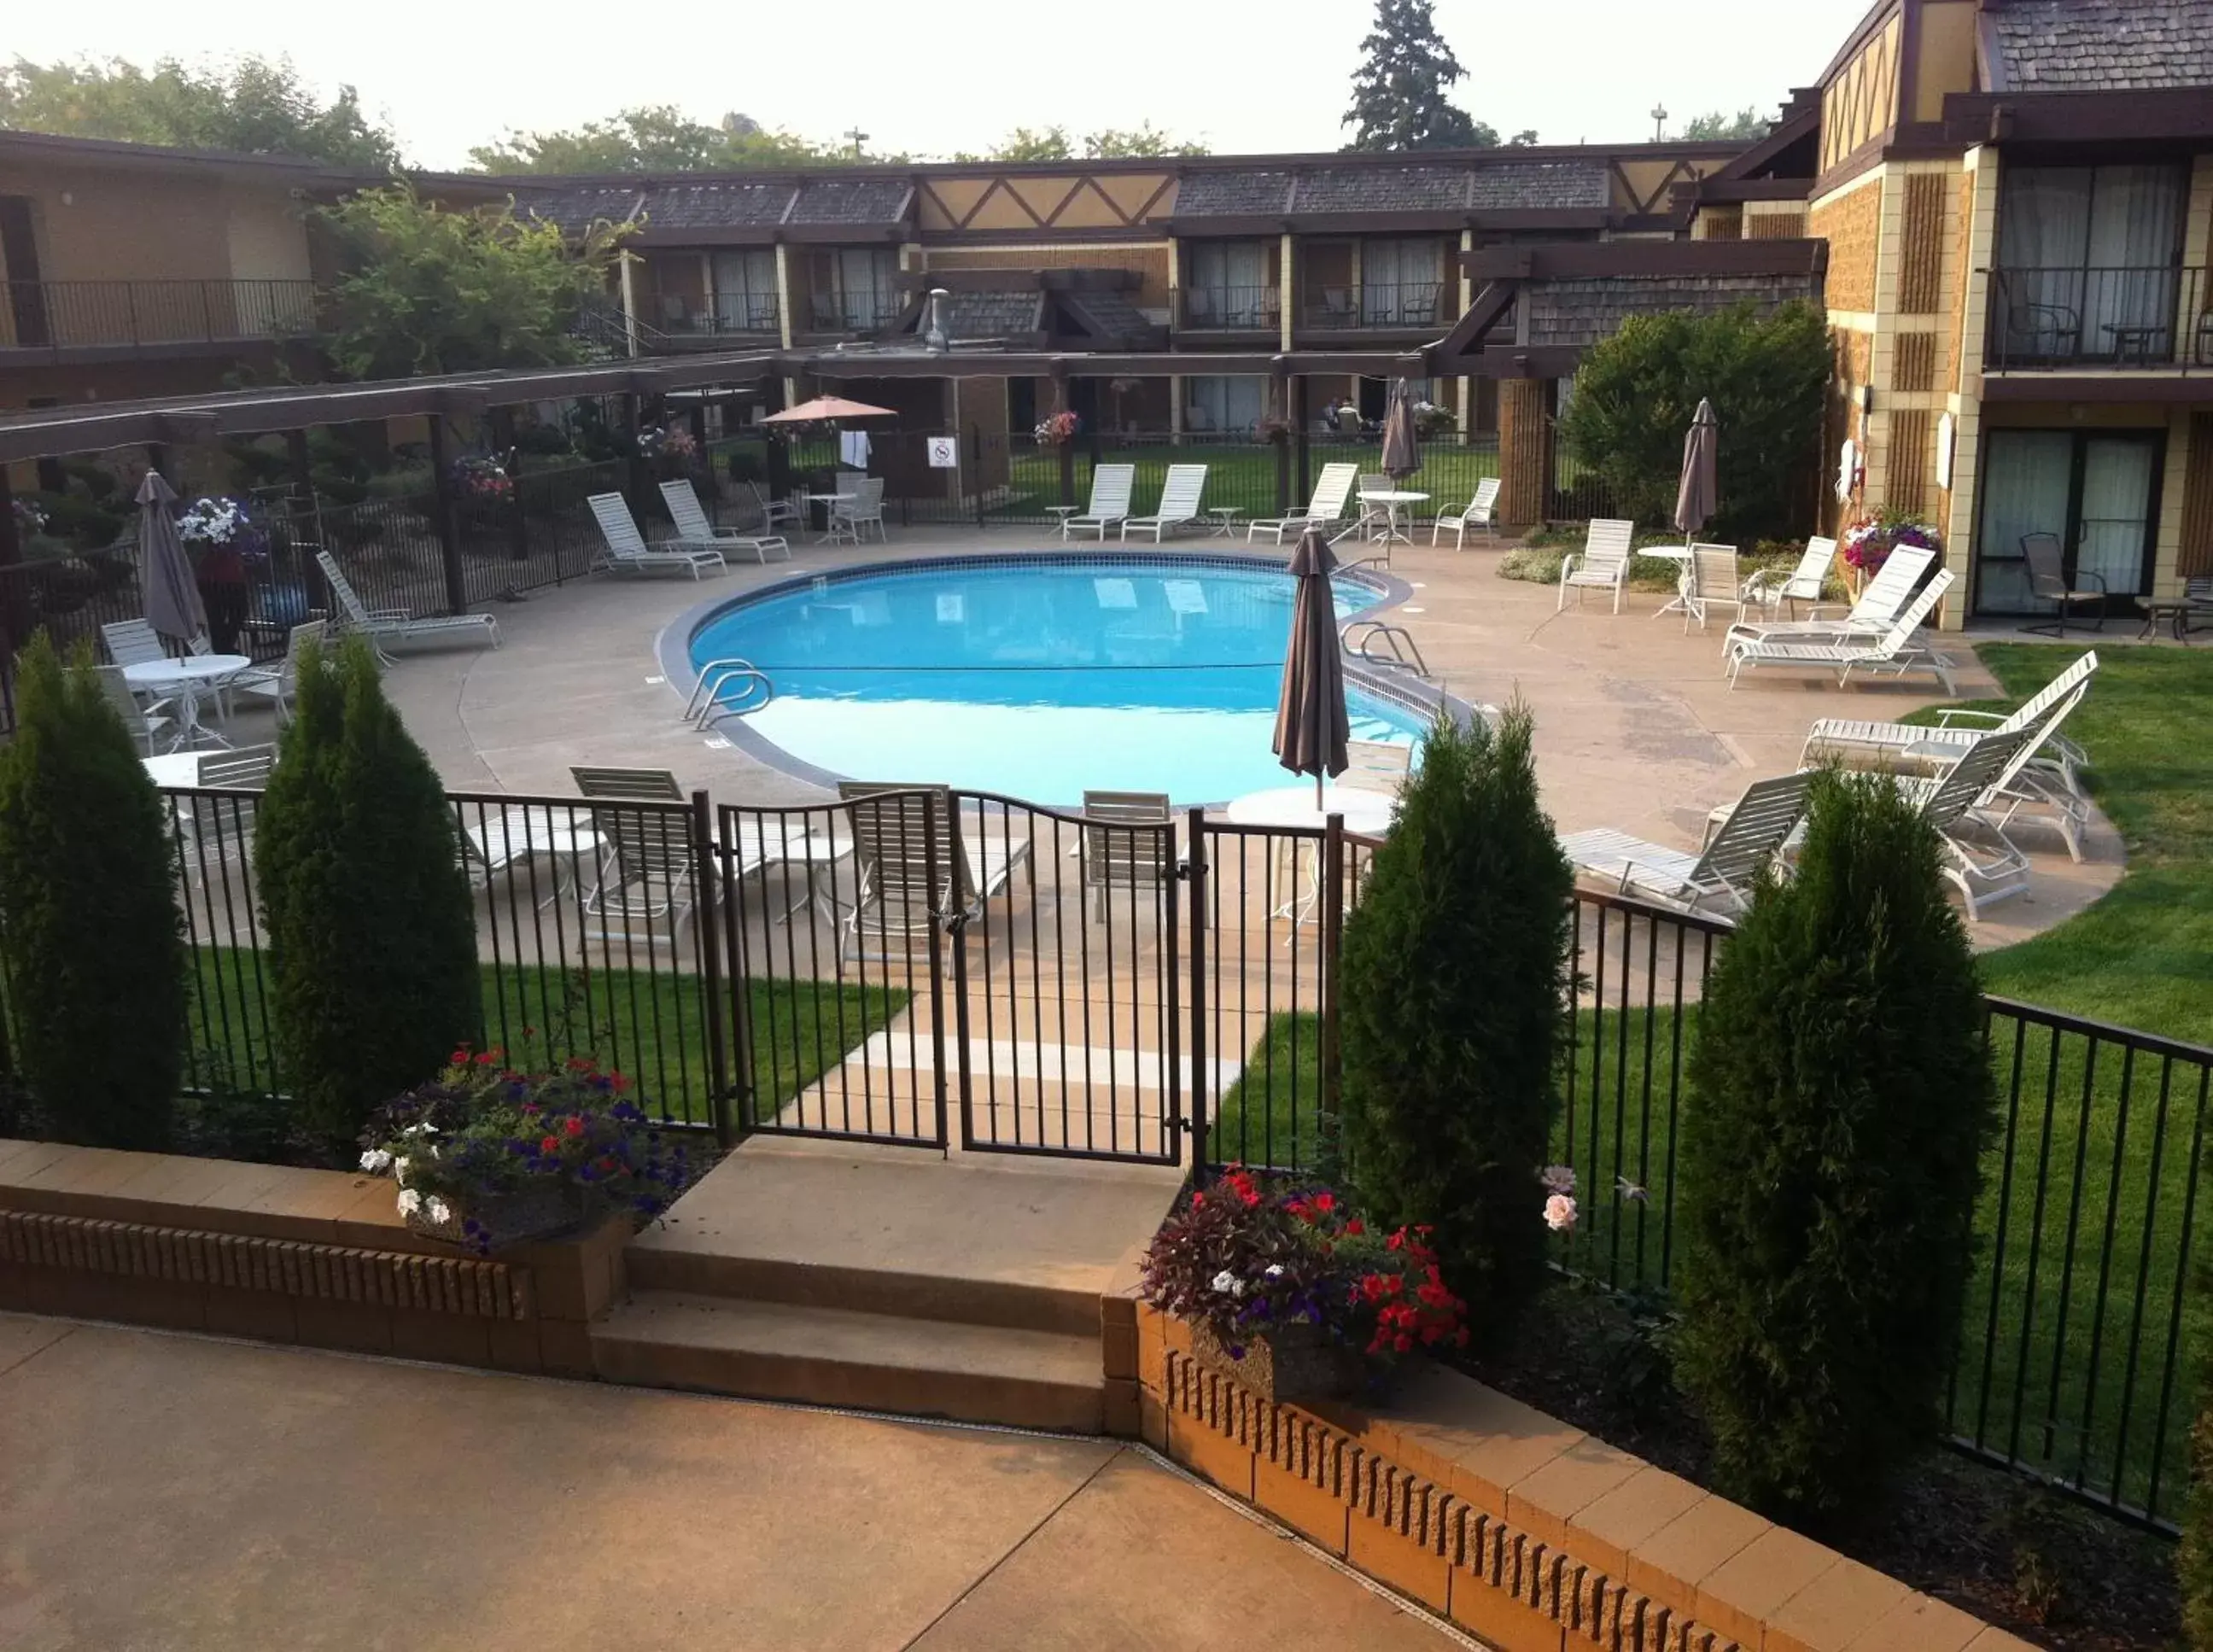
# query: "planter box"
(507, 1219)
(1294, 1363)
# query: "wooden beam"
(1495, 298)
(1594, 260)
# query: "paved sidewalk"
(162, 1492)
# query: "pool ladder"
(711, 697)
(1368, 639)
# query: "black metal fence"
(2111, 316)
(40, 317)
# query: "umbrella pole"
(1318, 791)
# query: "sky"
(1239, 74)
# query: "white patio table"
(1292, 807)
(190, 679)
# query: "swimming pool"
(1039, 677)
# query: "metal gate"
(936, 968)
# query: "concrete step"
(868, 1361)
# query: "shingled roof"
(2102, 45)
(1581, 313)
(721, 203)
(1507, 186)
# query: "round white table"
(1392, 500)
(189, 679)
(1368, 813)
(830, 502)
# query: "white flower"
(399, 1166)
(1629, 1191)
(437, 1210)
(1275, 1269)
(1559, 1213)
(1557, 1178)
(410, 1201)
(1228, 1283)
(376, 1162)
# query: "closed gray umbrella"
(1311, 725)
(1697, 496)
(165, 573)
(1402, 445)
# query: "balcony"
(53, 318)
(1375, 308)
(728, 318)
(2100, 320)
(854, 312)
(1228, 309)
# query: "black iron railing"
(1376, 304)
(2101, 318)
(1227, 308)
(864, 312)
(58, 315)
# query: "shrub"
(2194, 1556)
(88, 923)
(1829, 1169)
(1765, 374)
(372, 937)
(1454, 978)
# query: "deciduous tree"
(652, 138)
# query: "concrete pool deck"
(175, 1491)
(1636, 727)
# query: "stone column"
(1525, 452)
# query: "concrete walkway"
(160, 1491)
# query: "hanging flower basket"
(1058, 429)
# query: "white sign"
(944, 452)
(1944, 428)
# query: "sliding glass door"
(2089, 263)
(2098, 491)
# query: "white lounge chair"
(1917, 747)
(1376, 765)
(383, 625)
(695, 532)
(1110, 486)
(1125, 848)
(1330, 491)
(276, 683)
(623, 549)
(1180, 491)
(1894, 654)
(1604, 565)
(627, 785)
(1721, 876)
(1481, 512)
(1710, 582)
(1801, 584)
(899, 834)
(1966, 808)
(1873, 613)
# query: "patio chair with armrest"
(1965, 807)
(1129, 845)
(1482, 512)
(864, 509)
(647, 880)
(1801, 584)
(142, 722)
(1872, 615)
(1894, 654)
(276, 682)
(1721, 877)
(900, 834)
(1376, 765)
(383, 625)
(694, 531)
(2048, 582)
(1330, 491)
(1181, 490)
(1604, 564)
(1709, 582)
(623, 549)
(1110, 486)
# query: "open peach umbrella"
(823, 408)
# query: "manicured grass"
(650, 1024)
(1238, 473)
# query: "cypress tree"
(371, 933)
(90, 929)
(1829, 1166)
(1454, 980)
(1399, 90)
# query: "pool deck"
(1636, 727)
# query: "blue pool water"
(1037, 679)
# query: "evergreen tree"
(1828, 1168)
(1454, 983)
(372, 936)
(90, 929)
(1399, 90)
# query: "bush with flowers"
(487, 1153)
(475, 476)
(1868, 543)
(1251, 1258)
(212, 521)
(1058, 429)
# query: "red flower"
(604, 1164)
(1324, 1202)
(1403, 1343)
(485, 1058)
(1356, 1226)
(1397, 1242)
(549, 1144)
(619, 1082)
(572, 1126)
(1197, 1200)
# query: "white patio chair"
(1181, 490)
(1873, 613)
(1110, 500)
(1331, 489)
(1893, 654)
(627, 785)
(142, 722)
(1801, 584)
(1124, 850)
(132, 642)
(774, 513)
(1709, 581)
(1604, 564)
(1918, 748)
(1482, 512)
(1376, 765)
(695, 532)
(1721, 876)
(383, 625)
(1374, 520)
(899, 833)
(623, 549)
(276, 683)
(864, 509)
(646, 882)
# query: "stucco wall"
(1851, 222)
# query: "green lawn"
(647, 1023)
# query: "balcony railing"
(746, 315)
(1415, 304)
(59, 315)
(2100, 319)
(864, 312)
(1228, 309)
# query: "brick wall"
(1852, 224)
(1525, 452)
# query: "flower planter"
(505, 1218)
(1297, 1363)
